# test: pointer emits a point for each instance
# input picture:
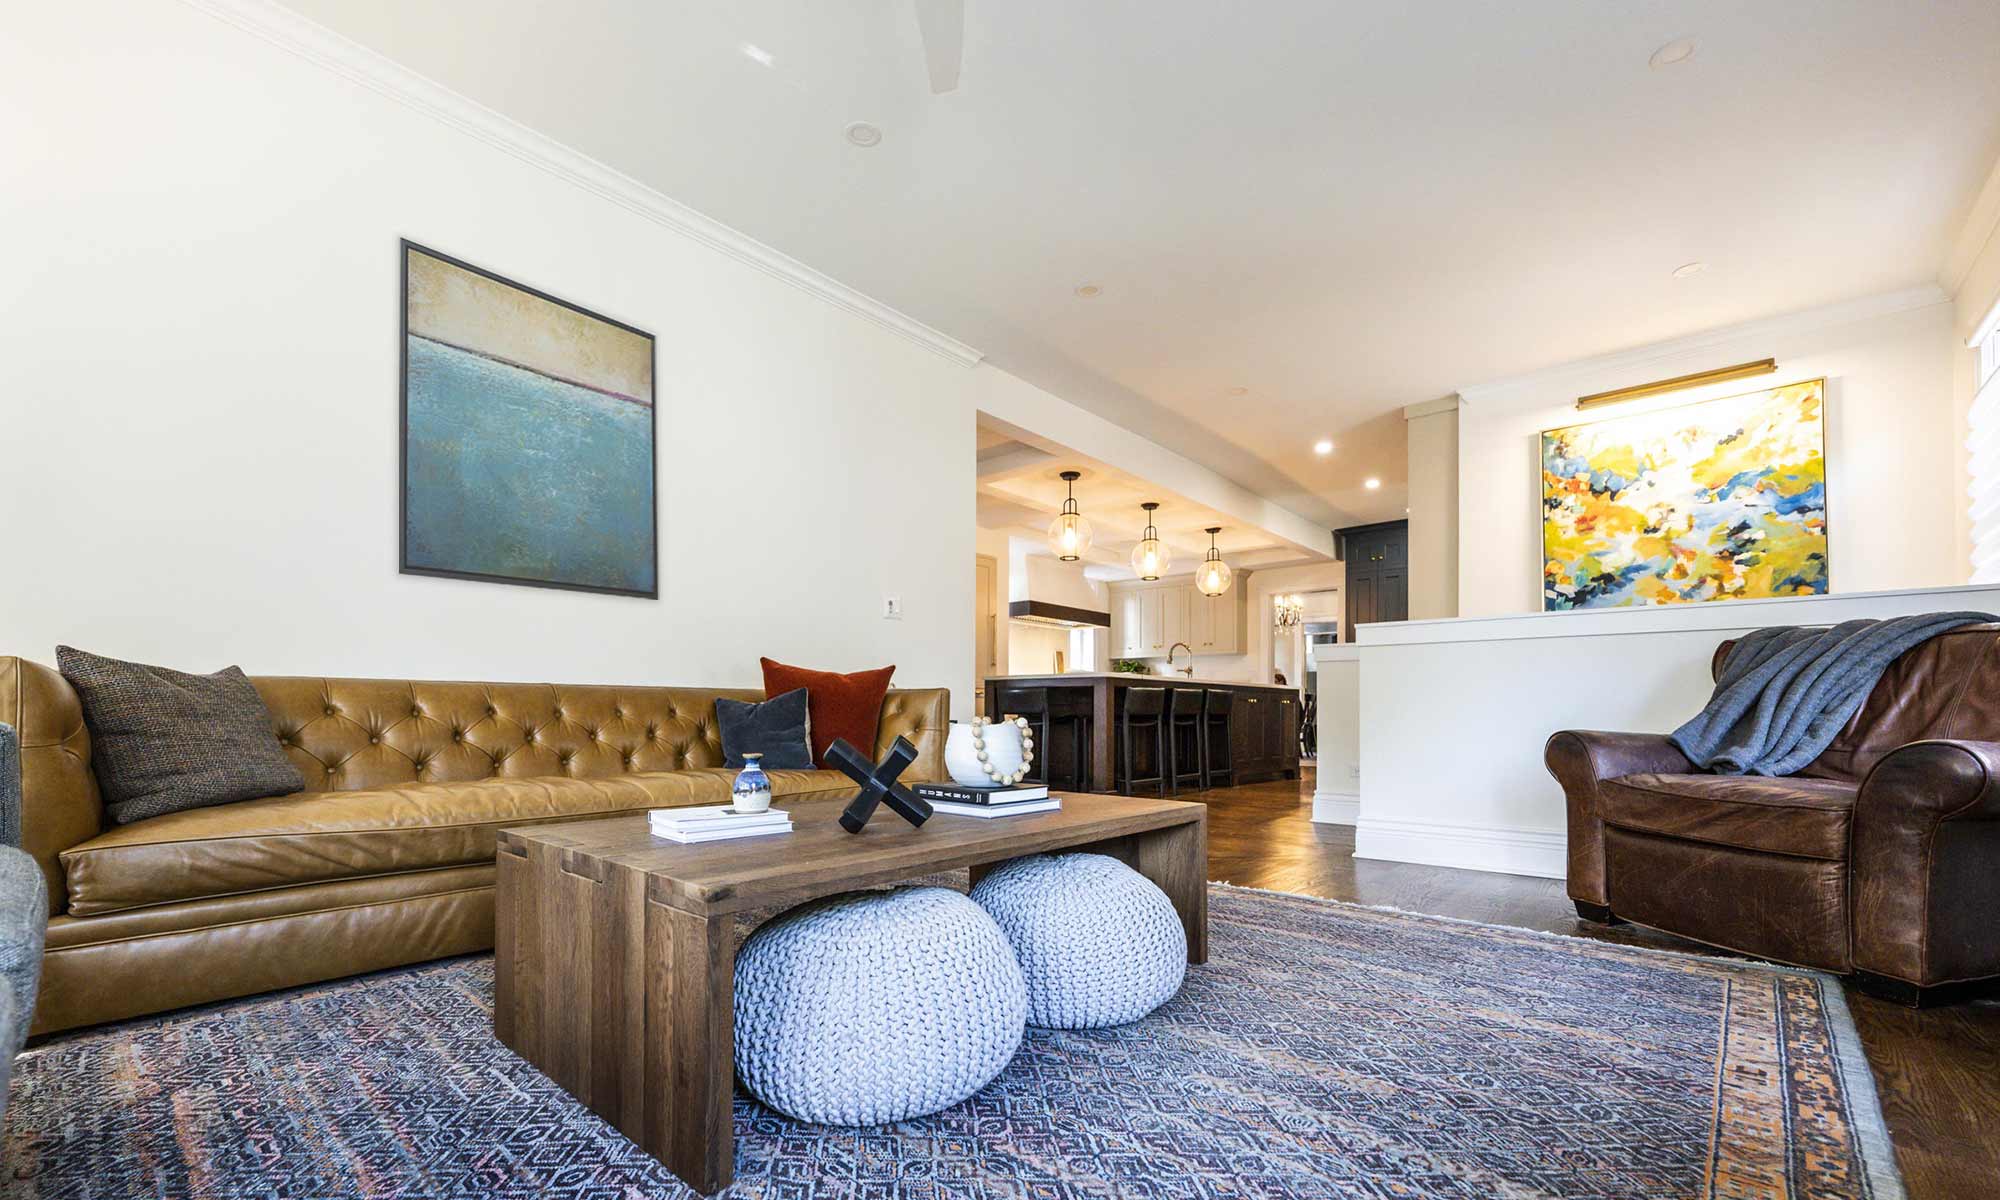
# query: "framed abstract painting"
(1721, 500)
(528, 435)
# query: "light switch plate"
(892, 608)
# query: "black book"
(958, 793)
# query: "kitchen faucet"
(1187, 670)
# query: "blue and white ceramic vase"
(752, 791)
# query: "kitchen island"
(1263, 718)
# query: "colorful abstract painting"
(527, 435)
(1723, 500)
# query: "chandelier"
(1069, 533)
(1291, 609)
(1150, 556)
(1212, 577)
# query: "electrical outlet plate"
(892, 608)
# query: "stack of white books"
(716, 823)
(988, 801)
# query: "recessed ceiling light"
(1089, 291)
(861, 133)
(1239, 391)
(1323, 446)
(1371, 483)
(1672, 53)
(757, 54)
(1689, 270)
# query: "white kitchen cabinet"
(1152, 621)
(1128, 635)
(1174, 603)
(1148, 618)
(1201, 623)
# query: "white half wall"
(1454, 714)
(199, 368)
(1337, 778)
(1893, 449)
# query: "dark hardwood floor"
(1938, 1071)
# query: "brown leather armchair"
(1880, 859)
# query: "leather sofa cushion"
(321, 836)
(1807, 818)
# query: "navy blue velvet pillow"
(780, 729)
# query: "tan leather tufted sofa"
(385, 859)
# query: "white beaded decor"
(986, 753)
(1100, 943)
(876, 1006)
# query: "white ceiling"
(1341, 207)
(1021, 489)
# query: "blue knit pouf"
(1099, 942)
(876, 1006)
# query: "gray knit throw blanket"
(1786, 692)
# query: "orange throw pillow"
(841, 706)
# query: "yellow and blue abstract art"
(1722, 500)
(528, 432)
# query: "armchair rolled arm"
(1580, 760)
(1925, 863)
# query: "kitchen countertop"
(1082, 677)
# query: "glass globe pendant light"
(1212, 577)
(1150, 557)
(1069, 533)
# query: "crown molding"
(1825, 317)
(1982, 226)
(1430, 408)
(356, 63)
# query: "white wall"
(1972, 274)
(198, 390)
(1892, 449)
(1433, 492)
(1032, 649)
(1454, 714)
(994, 544)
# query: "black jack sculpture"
(878, 783)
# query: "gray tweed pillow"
(780, 729)
(162, 741)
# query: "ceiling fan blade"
(942, 23)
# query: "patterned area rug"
(1325, 1050)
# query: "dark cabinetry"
(1264, 734)
(1378, 573)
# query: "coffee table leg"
(1176, 858)
(690, 1044)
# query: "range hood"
(1042, 612)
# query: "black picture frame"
(404, 248)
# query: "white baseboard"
(1541, 852)
(1336, 808)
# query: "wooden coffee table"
(615, 951)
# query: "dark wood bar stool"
(1144, 712)
(1054, 713)
(1184, 738)
(1031, 704)
(1070, 728)
(1218, 765)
